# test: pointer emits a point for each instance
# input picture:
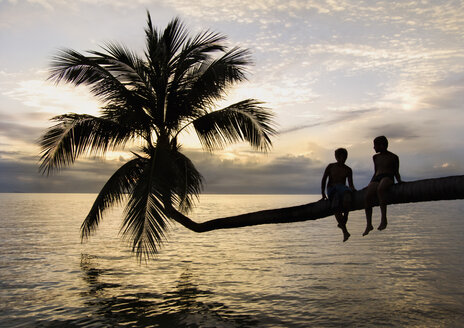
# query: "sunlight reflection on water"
(298, 274)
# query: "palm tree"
(152, 100)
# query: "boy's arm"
(375, 165)
(350, 180)
(397, 169)
(324, 181)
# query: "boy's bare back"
(338, 173)
(386, 163)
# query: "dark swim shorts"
(337, 190)
(379, 177)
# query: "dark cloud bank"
(281, 175)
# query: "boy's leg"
(368, 200)
(339, 217)
(346, 202)
(335, 201)
(382, 193)
(342, 225)
(346, 234)
(345, 217)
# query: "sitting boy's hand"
(324, 197)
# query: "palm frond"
(173, 38)
(113, 192)
(195, 51)
(131, 70)
(72, 67)
(123, 63)
(151, 36)
(187, 182)
(243, 121)
(157, 70)
(212, 79)
(145, 221)
(76, 134)
(137, 120)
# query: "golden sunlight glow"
(405, 96)
(57, 99)
(121, 156)
(409, 102)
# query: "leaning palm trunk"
(408, 192)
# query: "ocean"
(283, 275)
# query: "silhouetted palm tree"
(171, 89)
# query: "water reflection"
(91, 276)
(185, 306)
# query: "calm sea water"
(286, 275)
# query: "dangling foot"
(369, 228)
(346, 235)
(383, 225)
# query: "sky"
(336, 73)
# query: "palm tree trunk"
(407, 192)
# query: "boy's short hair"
(342, 152)
(381, 140)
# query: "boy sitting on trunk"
(337, 190)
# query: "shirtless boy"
(386, 169)
(337, 190)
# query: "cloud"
(431, 163)
(336, 118)
(280, 175)
(284, 174)
(20, 173)
(45, 96)
(284, 93)
(18, 131)
(52, 5)
(400, 131)
(447, 93)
